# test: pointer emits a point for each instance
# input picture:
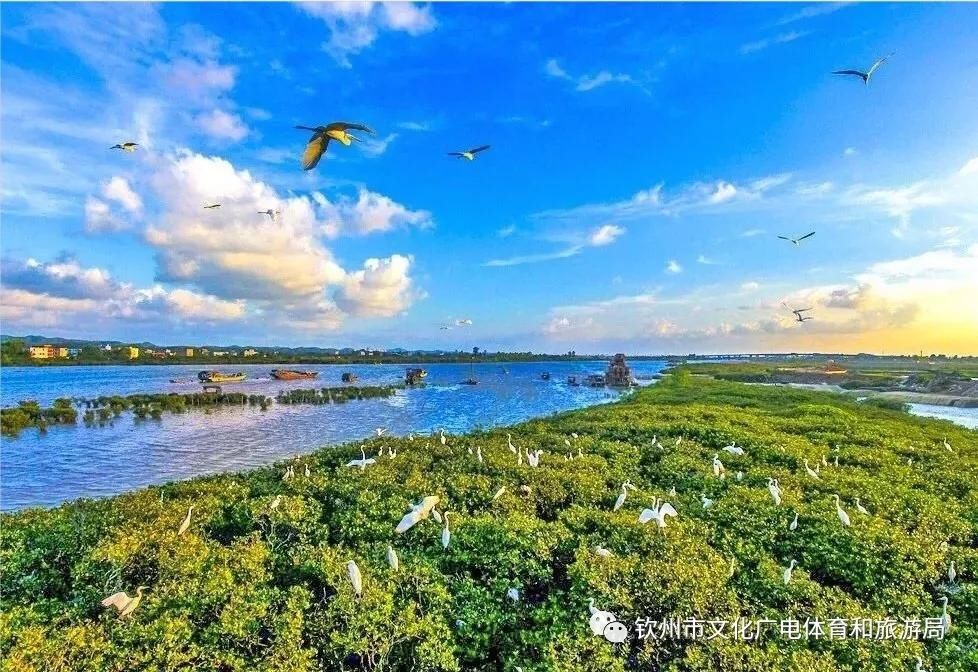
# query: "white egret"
(772, 487)
(672, 491)
(678, 441)
(436, 515)
(843, 516)
(469, 448)
(567, 443)
(380, 431)
(469, 153)
(919, 667)
(952, 573)
(602, 551)
(787, 572)
(574, 435)
(794, 524)
(363, 461)
(825, 461)
(418, 512)
(945, 617)
(513, 594)
(624, 493)
(275, 502)
(186, 522)
(478, 453)
(499, 493)
(124, 604)
(392, 558)
(441, 435)
(356, 580)
(718, 469)
(740, 475)
(659, 511)
(308, 473)
(519, 457)
(734, 449)
(836, 461)
(707, 502)
(446, 535)
(860, 508)
(509, 441)
(947, 446)
(811, 472)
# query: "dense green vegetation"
(102, 410)
(259, 581)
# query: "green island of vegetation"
(259, 580)
(103, 410)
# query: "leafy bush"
(259, 581)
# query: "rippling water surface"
(71, 462)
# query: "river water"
(71, 462)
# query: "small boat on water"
(415, 376)
(220, 377)
(545, 375)
(573, 381)
(349, 377)
(471, 380)
(596, 380)
(290, 374)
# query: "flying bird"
(272, 214)
(865, 76)
(469, 153)
(795, 241)
(316, 147)
(211, 206)
(125, 146)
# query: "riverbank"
(260, 578)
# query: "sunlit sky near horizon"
(644, 160)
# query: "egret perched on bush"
(478, 453)
(363, 461)
(186, 522)
(356, 579)
(124, 604)
(509, 441)
(794, 524)
(446, 534)
(772, 487)
(308, 473)
(787, 572)
(945, 617)
(624, 493)
(952, 573)
(843, 516)
(811, 472)
(718, 469)
(920, 665)
(499, 493)
(418, 512)
(734, 449)
(947, 446)
(658, 512)
(513, 594)
(275, 502)
(602, 551)
(740, 475)
(707, 502)
(392, 558)
(860, 508)
(441, 434)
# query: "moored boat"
(572, 381)
(291, 374)
(349, 377)
(545, 375)
(220, 377)
(415, 376)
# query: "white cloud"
(673, 266)
(849, 151)
(99, 217)
(724, 192)
(414, 125)
(117, 189)
(750, 286)
(605, 235)
(782, 38)
(587, 82)
(811, 11)
(354, 26)
(381, 289)
(374, 147)
(370, 213)
(970, 168)
(703, 259)
(222, 125)
(506, 231)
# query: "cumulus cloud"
(99, 214)
(672, 266)
(117, 189)
(369, 213)
(354, 26)
(382, 288)
(222, 125)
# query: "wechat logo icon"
(606, 624)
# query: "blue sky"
(644, 158)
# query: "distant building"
(133, 352)
(62, 352)
(74, 352)
(219, 353)
(45, 352)
(189, 352)
(107, 347)
(250, 352)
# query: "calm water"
(71, 462)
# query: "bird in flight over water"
(211, 206)
(125, 146)
(469, 153)
(316, 147)
(795, 241)
(865, 76)
(800, 317)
